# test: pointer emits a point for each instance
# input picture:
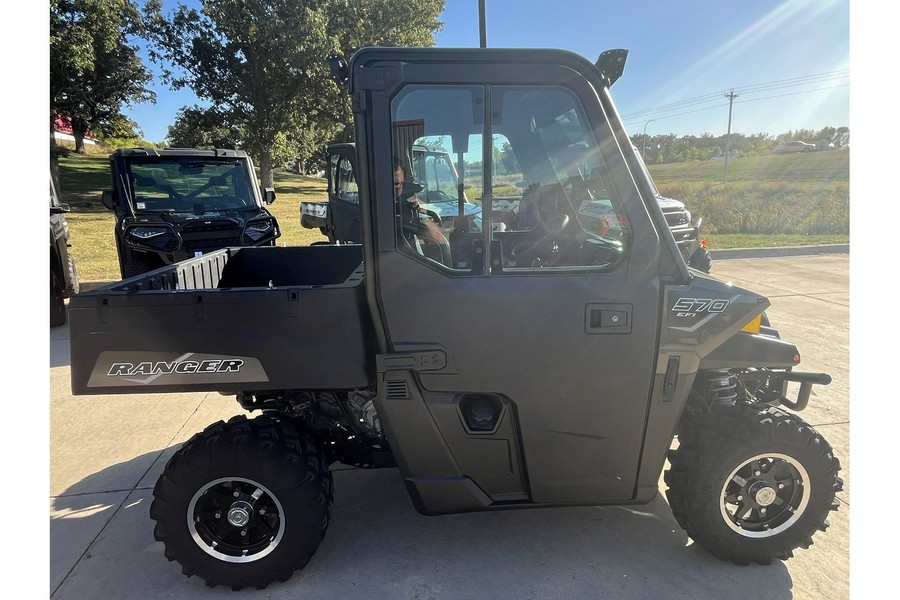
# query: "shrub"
(804, 208)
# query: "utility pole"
(482, 26)
(644, 140)
(731, 96)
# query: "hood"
(179, 218)
(450, 209)
(669, 203)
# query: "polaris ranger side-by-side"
(556, 357)
(178, 203)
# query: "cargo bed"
(237, 319)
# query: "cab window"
(550, 206)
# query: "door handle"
(607, 318)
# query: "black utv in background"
(179, 203)
(63, 276)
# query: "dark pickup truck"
(550, 360)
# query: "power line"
(819, 78)
(638, 117)
(659, 111)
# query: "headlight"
(257, 230)
(687, 216)
(157, 238)
(145, 233)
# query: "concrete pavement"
(107, 451)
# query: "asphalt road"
(107, 451)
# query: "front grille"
(210, 235)
(675, 217)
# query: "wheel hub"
(763, 493)
(239, 514)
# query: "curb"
(734, 253)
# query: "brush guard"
(771, 387)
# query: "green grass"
(803, 195)
(728, 241)
(816, 167)
(768, 201)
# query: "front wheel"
(752, 484)
(57, 301)
(701, 260)
(243, 503)
(139, 265)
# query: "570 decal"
(691, 307)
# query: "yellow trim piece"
(753, 326)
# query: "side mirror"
(107, 199)
(611, 64)
(269, 195)
(340, 70)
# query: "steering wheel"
(539, 240)
(605, 250)
(433, 216)
(231, 202)
(413, 228)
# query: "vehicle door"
(343, 194)
(534, 346)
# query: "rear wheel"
(244, 503)
(752, 484)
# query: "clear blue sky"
(788, 60)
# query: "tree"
(94, 69)
(354, 24)
(262, 63)
(197, 127)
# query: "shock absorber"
(721, 388)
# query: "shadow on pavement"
(378, 546)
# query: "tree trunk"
(79, 131)
(266, 169)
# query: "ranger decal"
(177, 366)
(127, 368)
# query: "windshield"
(434, 171)
(189, 185)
